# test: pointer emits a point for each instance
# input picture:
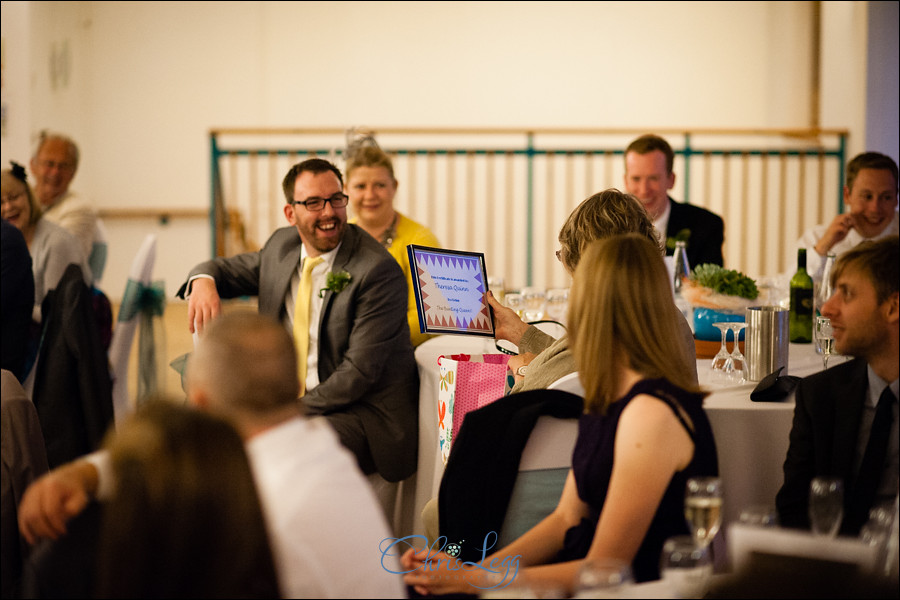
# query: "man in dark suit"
(841, 412)
(649, 177)
(361, 371)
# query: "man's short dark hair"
(313, 165)
(650, 143)
(870, 160)
(878, 260)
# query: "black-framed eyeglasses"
(559, 255)
(339, 200)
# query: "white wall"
(15, 93)
(147, 80)
(883, 66)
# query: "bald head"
(245, 367)
(53, 164)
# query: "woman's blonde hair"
(603, 215)
(369, 156)
(621, 314)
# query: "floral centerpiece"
(712, 286)
(717, 294)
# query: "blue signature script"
(504, 570)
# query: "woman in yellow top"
(371, 186)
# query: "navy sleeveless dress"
(592, 461)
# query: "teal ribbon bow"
(148, 301)
(138, 297)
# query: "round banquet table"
(751, 437)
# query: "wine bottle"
(801, 311)
(682, 271)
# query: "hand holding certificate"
(449, 286)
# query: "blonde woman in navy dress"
(643, 434)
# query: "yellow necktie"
(301, 318)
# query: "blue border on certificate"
(449, 286)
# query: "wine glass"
(515, 301)
(602, 578)
(826, 505)
(738, 375)
(535, 300)
(498, 288)
(703, 508)
(759, 515)
(877, 529)
(557, 303)
(686, 566)
(824, 338)
(722, 363)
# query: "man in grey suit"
(361, 371)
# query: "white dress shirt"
(327, 528)
(815, 262)
(319, 277)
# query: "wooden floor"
(178, 341)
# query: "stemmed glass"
(557, 302)
(826, 505)
(759, 515)
(602, 578)
(737, 358)
(722, 363)
(515, 301)
(535, 301)
(703, 508)
(824, 338)
(686, 566)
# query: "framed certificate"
(449, 287)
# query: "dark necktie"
(872, 466)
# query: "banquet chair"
(507, 467)
(568, 383)
(127, 323)
(543, 469)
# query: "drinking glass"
(738, 362)
(603, 578)
(535, 300)
(515, 301)
(703, 508)
(557, 304)
(824, 339)
(498, 288)
(722, 363)
(878, 528)
(826, 505)
(686, 566)
(759, 515)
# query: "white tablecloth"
(752, 437)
